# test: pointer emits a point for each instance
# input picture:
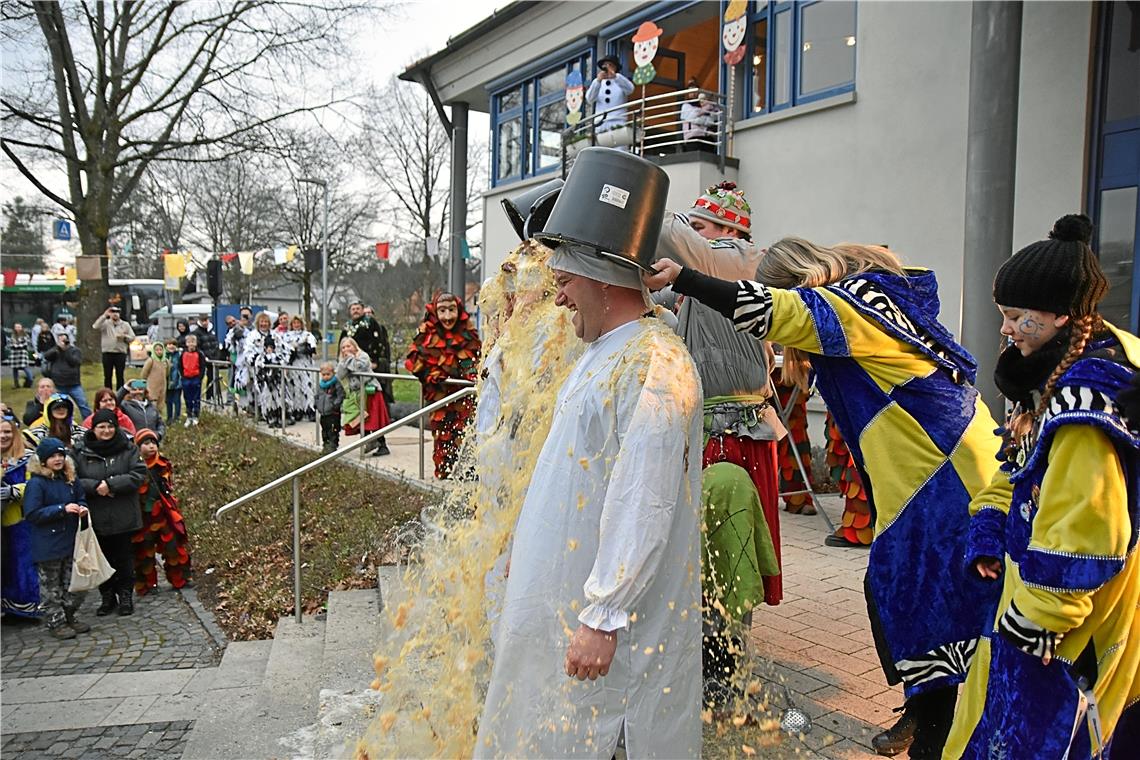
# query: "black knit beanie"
(1060, 275)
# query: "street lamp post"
(324, 264)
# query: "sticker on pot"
(614, 196)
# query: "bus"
(39, 297)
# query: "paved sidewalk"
(817, 642)
(145, 740)
(163, 633)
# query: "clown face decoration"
(735, 26)
(574, 96)
(645, 43)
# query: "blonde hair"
(257, 320)
(18, 448)
(327, 365)
(794, 262)
(1081, 329)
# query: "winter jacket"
(33, 411)
(124, 471)
(144, 415)
(329, 400)
(114, 337)
(184, 367)
(174, 378)
(207, 340)
(53, 529)
(64, 366)
(155, 372)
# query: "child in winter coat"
(53, 504)
(156, 371)
(192, 366)
(330, 397)
(173, 382)
(163, 530)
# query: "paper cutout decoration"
(382, 251)
(291, 253)
(735, 26)
(575, 92)
(71, 277)
(245, 261)
(279, 255)
(228, 257)
(432, 248)
(645, 45)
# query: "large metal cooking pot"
(614, 203)
(529, 210)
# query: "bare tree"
(406, 150)
(131, 83)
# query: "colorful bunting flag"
(174, 266)
(382, 251)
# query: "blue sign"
(61, 229)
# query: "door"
(1115, 201)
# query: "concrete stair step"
(225, 709)
(346, 703)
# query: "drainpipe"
(458, 196)
(991, 157)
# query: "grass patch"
(243, 565)
(91, 375)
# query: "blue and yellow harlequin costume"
(1063, 516)
(900, 390)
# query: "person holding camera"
(608, 92)
(62, 364)
(115, 338)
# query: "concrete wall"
(1052, 116)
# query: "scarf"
(326, 384)
(1017, 376)
(117, 443)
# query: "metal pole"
(325, 278)
(458, 197)
(991, 151)
(421, 425)
(363, 409)
(284, 399)
(297, 549)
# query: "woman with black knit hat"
(111, 471)
(1057, 526)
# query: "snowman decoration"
(574, 94)
(645, 44)
(732, 35)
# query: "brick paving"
(143, 741)
(162, 634)
(817, 642)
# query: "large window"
(800, 52)
(527, 119)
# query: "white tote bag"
(89, 567)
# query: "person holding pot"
(110, 470)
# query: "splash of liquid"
(434, 662)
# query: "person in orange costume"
(445, 348)
(163, 530)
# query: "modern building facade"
(844, 120)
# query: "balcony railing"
(672, 122)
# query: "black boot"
(126, 602)
(109, 603)
(75, 623)
(381, 448)
(898, 737)
(933, 713)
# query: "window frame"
(772, 11)
(530, 126)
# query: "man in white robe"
(601, 623)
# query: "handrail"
(332, 455)
(363, 396)
(294, 478)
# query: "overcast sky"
(418, 28)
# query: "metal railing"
(363, 398)
(683, 120)
(294, 478)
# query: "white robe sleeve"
(641, 496)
